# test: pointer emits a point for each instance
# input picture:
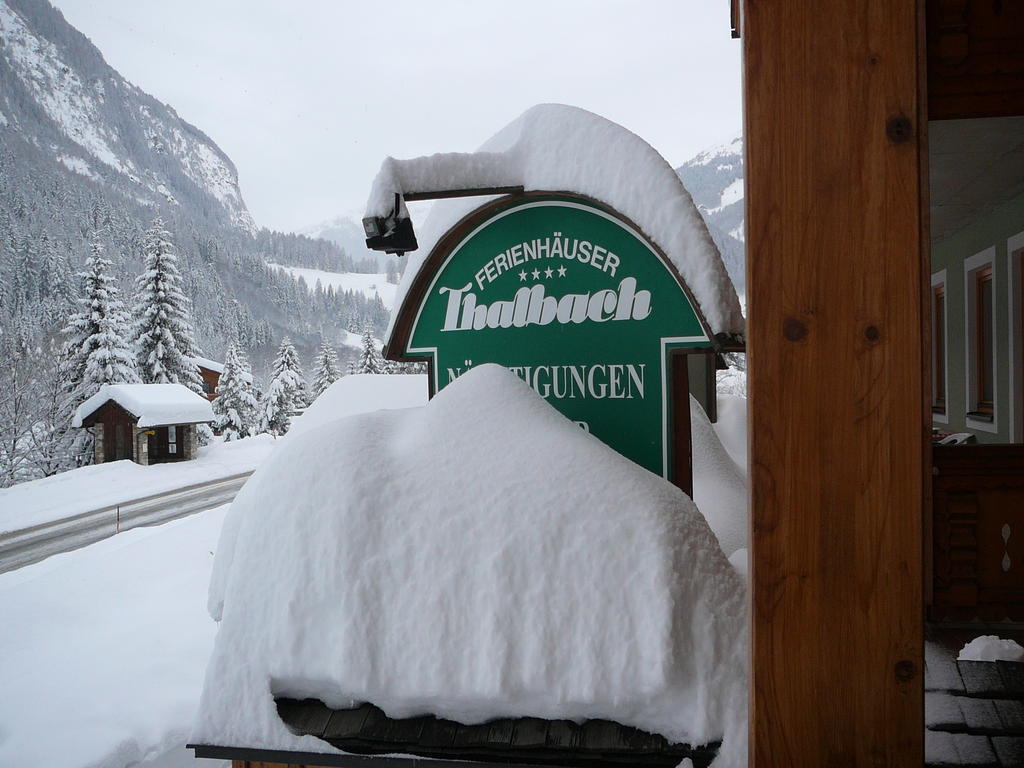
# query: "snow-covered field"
(102, 650)
(101, 485)
(368, 283)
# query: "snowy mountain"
(82, 149)
(347, 233)
(714, 179)
(60, 98)
(88, 162)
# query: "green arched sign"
(572, 298)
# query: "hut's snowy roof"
(213, 365)
(516, 566)
(555, 147)
(155, 405)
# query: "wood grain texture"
(836, 276)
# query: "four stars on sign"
(536, 273)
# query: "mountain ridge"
(84, 153)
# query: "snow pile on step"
(479, 557)
(363, 393)
(991, 648)
(719, 483)
(555, 147)
(155, 405)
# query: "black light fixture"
(392, 233)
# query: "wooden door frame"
(840, 388)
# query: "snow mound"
(991, 648)
(479, 557)
(362, 393)
(719, 483)
(554, 147)
(732, 427)
(155, 405)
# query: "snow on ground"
(110, 641)
(991, 648)
(100, 485)
(475, 558)
(368, 284)
(362, 393)
(102, 650)
(558, 147)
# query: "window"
(206, 387)
(985, 357)
(939, 345)
(119, 452)
(172, 440)
(1015, 281)
(980, 300)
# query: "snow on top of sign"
(555, 147)
(514, 566)
(155, 405)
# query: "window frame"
(1015, 281)
(980, 415)
(940, 349)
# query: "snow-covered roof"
(516, 566)
(554, 147)
(154, 405)
(213, 365)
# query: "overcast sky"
(308, 96)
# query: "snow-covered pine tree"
(369, 360)
(98, 350)
(163, 337)
(286, 391)
(327, 371)
(235, 409)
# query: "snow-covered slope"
(369, 284)
(59, 95)
(714, 179)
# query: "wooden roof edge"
(730, 342)
(336, 759)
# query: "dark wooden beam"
(836, 280)
(473, 192)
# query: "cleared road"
(30, 545)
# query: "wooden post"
(837, 275)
